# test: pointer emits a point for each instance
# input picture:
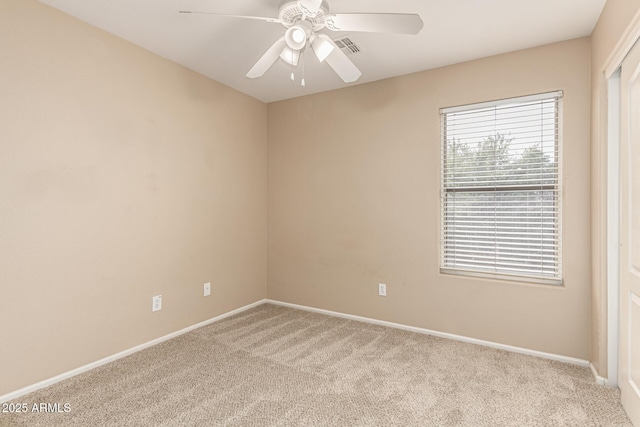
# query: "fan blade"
(268, 59)
(310, 7)
(340, 63)
(257, 18)
(398, 23)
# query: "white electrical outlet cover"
(382, 289)
(156, 303)
(207, 289)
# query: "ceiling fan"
(304, 19)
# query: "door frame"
(611, 73)
(613, 226)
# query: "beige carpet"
(275, 366)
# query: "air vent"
(348, 46)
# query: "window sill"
(506, 277)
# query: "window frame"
(557, 188)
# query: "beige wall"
(353, 200)
(610, 30)
(122, 176)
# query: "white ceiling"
(224, 49)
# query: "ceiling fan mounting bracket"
(291, 14)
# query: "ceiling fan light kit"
(304, 19)
(321, 47)
(296, 37)
(290, 56)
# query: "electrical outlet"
(207, 289)
(382, 289)
(156, 303)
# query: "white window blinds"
(500, 195)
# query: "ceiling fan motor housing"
(291, 14)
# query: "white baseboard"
(30, 389)
(601, 380)
(45, 383)
(550, 356)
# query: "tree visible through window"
(501, 189)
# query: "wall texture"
(122, 176)
(353, 201)
(610, 30)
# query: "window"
(500, 195)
